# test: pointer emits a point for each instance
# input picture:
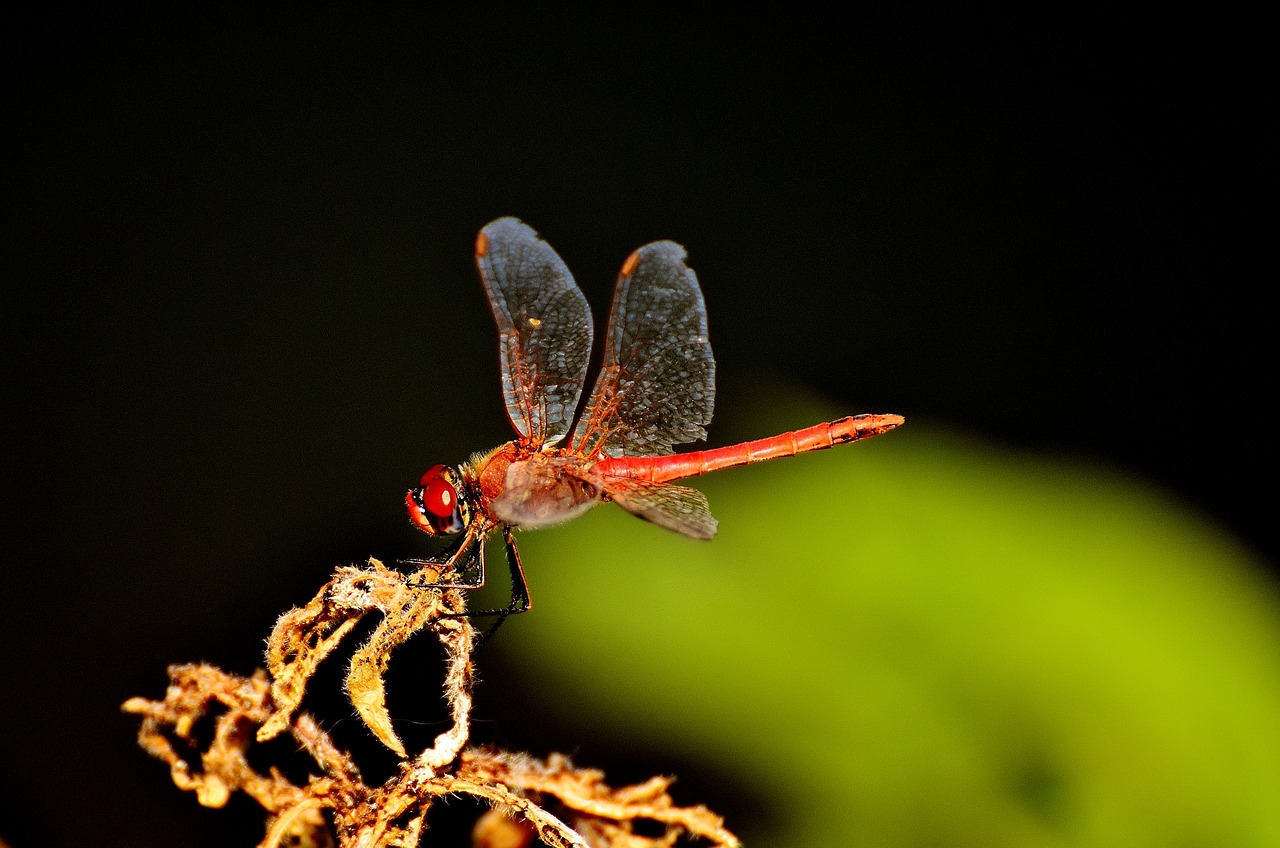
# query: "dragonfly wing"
(677, 508)
(544, 328)
(656, 386)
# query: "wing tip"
(666, 246)
(497, 227)
(630, 265)
(662, 251)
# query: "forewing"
(544, 328)
(656, 386)
(677, 508)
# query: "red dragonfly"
(656, 389)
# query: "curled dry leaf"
(590, 805)
(303, 637)
(564, 806)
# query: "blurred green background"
(242, 319)
(927, 640)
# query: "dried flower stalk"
(561, 805)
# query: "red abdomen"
(662, 469)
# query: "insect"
(655, 390)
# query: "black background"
(241, 314)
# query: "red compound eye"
(437, 507)
(438, 495)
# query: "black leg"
(520, 599)
(464, 566)
(464, 561)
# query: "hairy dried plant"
(549, 800)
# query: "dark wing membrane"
(656, 386)
(544, 328)
(677, 508)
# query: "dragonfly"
(655, 389)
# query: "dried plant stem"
(588, 813)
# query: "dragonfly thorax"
(522, 486)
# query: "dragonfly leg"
(464, 569)
(464, 564)
(520, 599)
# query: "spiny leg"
(461, 559)
(521, 601)
(473, 562)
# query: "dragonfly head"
(439, 505)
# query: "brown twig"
(564, 806)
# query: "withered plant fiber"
(550, 800)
